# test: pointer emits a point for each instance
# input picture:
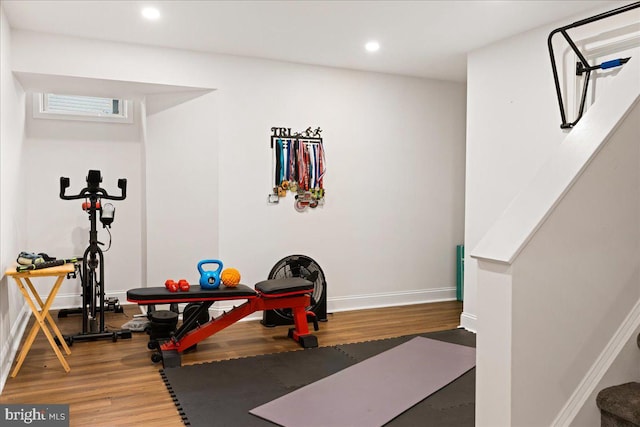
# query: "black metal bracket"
(583, 66)
(581, 69)
(308, 136)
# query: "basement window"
(85, 108)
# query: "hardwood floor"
(115, 384)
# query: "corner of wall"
(13, 310)
(12, 342)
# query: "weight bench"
(289, 293)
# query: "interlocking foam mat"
(222, 393)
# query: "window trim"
(40, 111)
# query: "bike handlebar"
(93, 180)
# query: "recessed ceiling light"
(151, 13)
(372, 46)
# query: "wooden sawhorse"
(41, 314)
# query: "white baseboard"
(390, 299)
(362, 302)
(469, 321)
(75, 300)
(599, 368)
(334, 305)
(10, 347)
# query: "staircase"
(620, 405)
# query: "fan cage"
(305, 267)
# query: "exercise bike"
(92, 272)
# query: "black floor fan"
(307, 268)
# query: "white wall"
(181, 188)
(395, 160)
(559, 273)
(56, 148)
(554, 314)
(13, 230)
(581, 275)
(394, 182)
(513, 120)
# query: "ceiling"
(418, 38)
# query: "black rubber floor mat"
(222, 393)
(295, 369)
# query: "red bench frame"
(297, 301)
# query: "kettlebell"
(210, 279)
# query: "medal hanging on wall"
(293, 185)
(282, 192)
(321, 172)
(286, 165)
(274, 197)
(313, 174)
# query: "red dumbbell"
(171, 285)
(183, 285)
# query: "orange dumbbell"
(183, 285)
(171, 285)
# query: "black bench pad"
(196, 293)
(283, 286)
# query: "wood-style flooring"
(116, 384)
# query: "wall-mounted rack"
(299, 166)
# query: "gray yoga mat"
(375, 391)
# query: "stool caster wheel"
(152, 345)
(156, 357)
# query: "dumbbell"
(183, 285)
(171, 285)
